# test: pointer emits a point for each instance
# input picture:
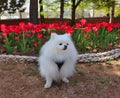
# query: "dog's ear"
(53, 35)
(68, 35)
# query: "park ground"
(92, 80)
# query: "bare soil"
(92, 80)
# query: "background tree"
(49, 8)
(85, 5)
(3, 6)
(41, 11)
(75, 4)
(117, 9)
(12, 7)
(105, 4)
(61, 10)
(20, 7)
(63, 5)
(33, 11)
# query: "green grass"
(81, 73)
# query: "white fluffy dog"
(57, 59)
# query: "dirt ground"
(92, 80)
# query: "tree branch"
(77, 3)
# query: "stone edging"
(87, 57)
(96, 57)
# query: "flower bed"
(28, 38)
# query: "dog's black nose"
(65, 47)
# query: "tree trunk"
(73, 12)
(41, 11)
(74, 6)
(112, 13)
(20, 15)
(33, 11)
(62, 10)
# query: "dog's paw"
(47, 85)
(65, 80)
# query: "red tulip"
(78, 25)
(82, 31)
(17, 30)
(4, 41)
(95, 29)
(30, 25)
(28, 34)
(3, 34)
(44, 37)
(64, 26)
(51, 26)
(87, 35)
(87, 29)
(109, 28)
(96, 32)
(69, 30)
(16, 38)
(3, 27)
(104, 24)
(83, 21)
(22, 25)
(35, 44)
(57, 27)
(33, 31)
(37, 28)
(12, 28)
(39, 35)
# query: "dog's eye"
(67, 44)
(60, 43)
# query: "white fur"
(53, 51)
